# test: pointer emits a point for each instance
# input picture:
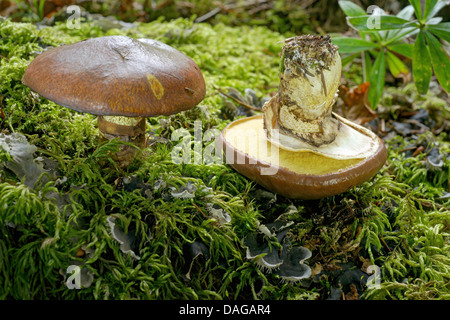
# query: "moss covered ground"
(185, 222)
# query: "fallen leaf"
(317, 269)
(365, 264)
(7, 7)
(53, 6)
(352, 294)
(356, 105)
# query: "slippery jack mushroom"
(122, 81)
(299, 148)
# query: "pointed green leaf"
(351, 9)
(441, 30)
(417, 8)
(406, 13)
(376, 12)
(352, 45)
(346, 59)
(421, 66)
(396, 66)
(429, 6)
(402, 33)
(441, 4)
(367, 66)
(434, 21)
(376, 80)
(405, 49)
(372, 23)
(440, 61)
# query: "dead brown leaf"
(365, 264)
(316, 269)
(355, 105)
(352, 294)
(7, 7)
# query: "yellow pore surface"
(248, 135)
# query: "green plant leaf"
(438, 8)
(406, 13)
(440, 61)
(367, 66)
(346, 59)
(429, 6)
(376, 80)
(417, 8)
(421, 66)
(402, 33)
(396, 66)
(352, 45)
(405, 49)
(371, 23)
(351, 9)
(441, 30)
(434, 21)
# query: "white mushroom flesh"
(301, 112)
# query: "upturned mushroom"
(121, 80)
(299, 148)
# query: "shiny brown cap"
(117, 76)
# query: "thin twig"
(196, 207)
(237, 100)
(384, 242)
(208, 15)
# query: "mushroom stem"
(309, 77)
(127, 129)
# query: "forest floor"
(161, 230)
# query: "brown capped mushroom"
(299, 148)
(121, 80)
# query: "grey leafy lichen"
(125, 239)
(22, 161)
(272, 251)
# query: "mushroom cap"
(117, 76)
(298, 175)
